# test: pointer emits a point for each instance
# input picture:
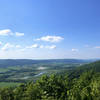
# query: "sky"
(49, 29)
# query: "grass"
(10, 76)
(3, 70)
(8, 84)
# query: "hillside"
(21, 62)
(59, 87)
(95, 66)
(24, 70)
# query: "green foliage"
(22, 71)
(59, 87)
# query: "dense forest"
(82, 83)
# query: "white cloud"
(18, 46)
(75, 50)
(41, 46)
(6, 32)
(32, 46)
(7, 46)
(50, 38)
(19, 34)
(0, 43)
(22, 49)
(51, 47)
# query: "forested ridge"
(83, 83)
(16, 62)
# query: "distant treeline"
(21, 62)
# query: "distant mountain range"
(21, 62)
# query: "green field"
(9, 84)
(14, 72)
(11, 76)
(4, 70)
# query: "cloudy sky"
(46, 29)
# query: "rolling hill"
(21, 62)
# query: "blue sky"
(49, 29)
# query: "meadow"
(14, 72)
